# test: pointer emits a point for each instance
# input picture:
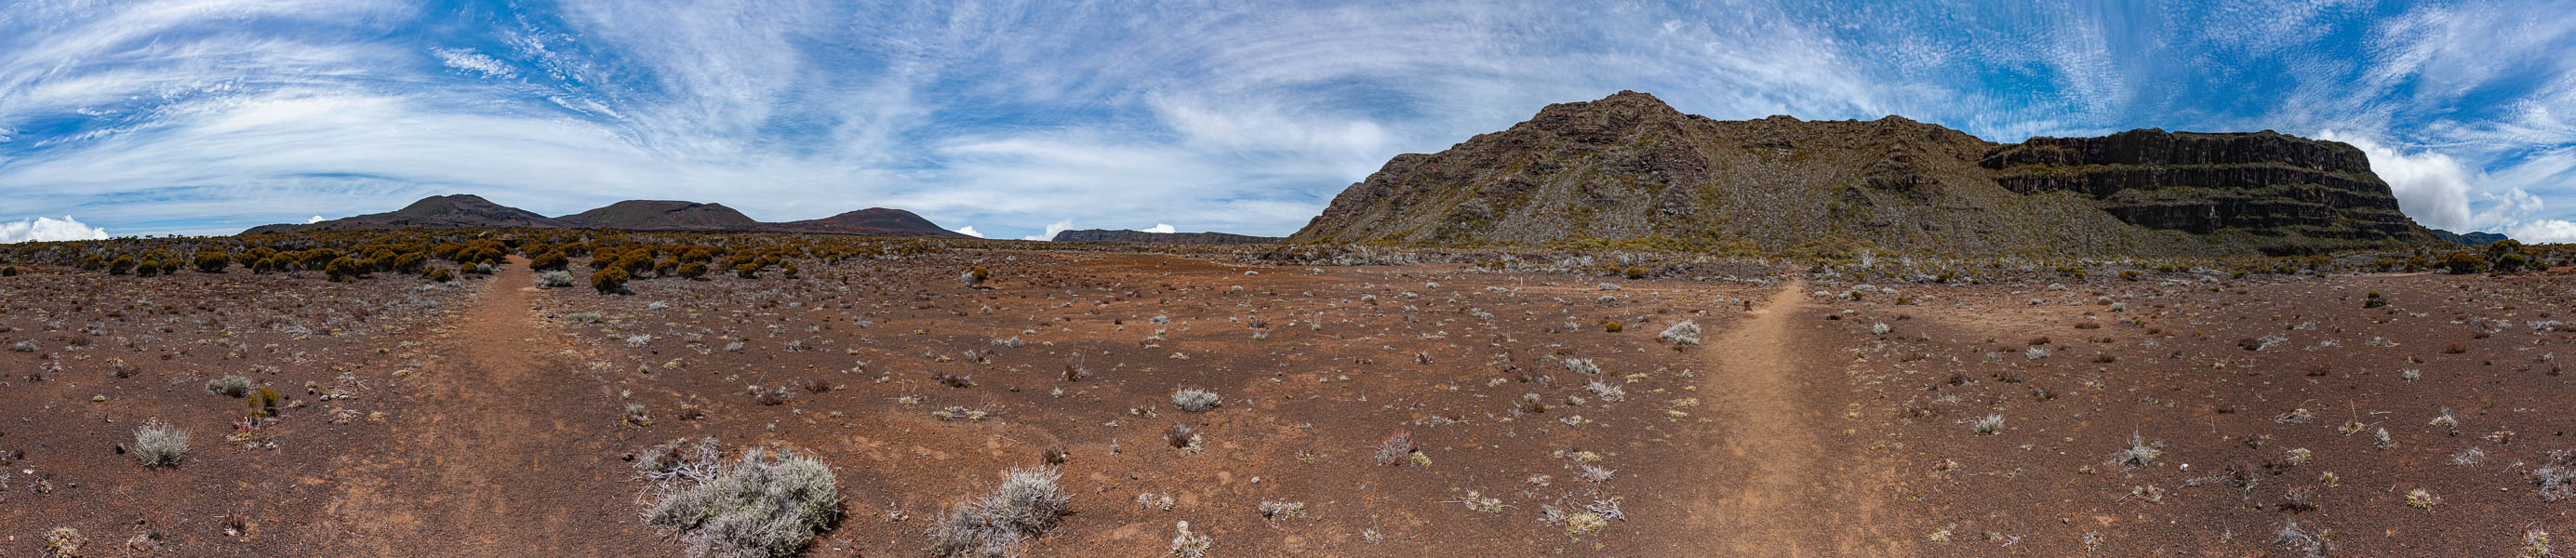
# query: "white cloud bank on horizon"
(2431, 187)
(1051, 230)
(48, 229)
(1160, 228)
(969, 230)
(2437, 191)
(315, 219)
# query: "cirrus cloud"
(210, 115)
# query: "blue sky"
(209, 116)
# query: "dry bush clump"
(1026, 504)
(159, 444)
(1684, 333)
(2557, 480)
(764, 504)
(1398, 448)
(1195, 400)
(1189, 544)
(233, 385)
(554, 279)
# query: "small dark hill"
(874, 221)
(2471, 238)
(663, 215)
(456, 211)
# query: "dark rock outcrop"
(1628, 168)
(1116, 235)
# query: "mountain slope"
(874, 221)
(467, 211)
(436, 212)
(662, 215)
(2471, 238)
(1629, 167)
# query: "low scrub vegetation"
(765, 503)
(1027, 503)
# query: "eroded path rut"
(1780, 479)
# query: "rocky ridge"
(1630, 169)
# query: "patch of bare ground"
(1998, 409)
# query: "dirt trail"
(1781, 481)
(474, 471)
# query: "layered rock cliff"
(2286, 194)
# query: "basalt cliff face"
(1630, 168)
(2283, 192)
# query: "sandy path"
(1781, 480)
(494, 458)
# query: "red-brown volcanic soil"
(491, 417)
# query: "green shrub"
(263, 401)
(344, 268)
(439, 274)
(2511, 262)
(121, 266)
(550, 260)
(693, 270)
(408, 262)
(9, 271)
(212, 262)
(2463, 263)
(609, 281)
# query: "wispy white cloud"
(1246, 117)
(469, 60)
